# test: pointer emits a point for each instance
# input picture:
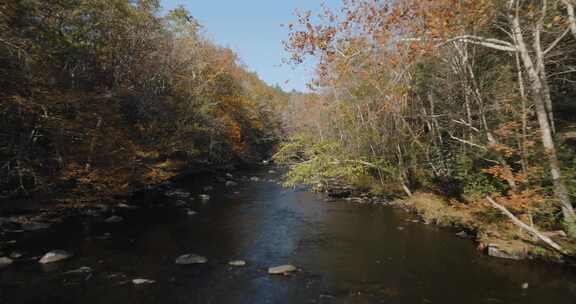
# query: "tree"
(365, 35)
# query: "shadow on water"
(347, 254)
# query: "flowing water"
(345, 253)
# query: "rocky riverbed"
(242, 238)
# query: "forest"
(466, 108)
(99, 97)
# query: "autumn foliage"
(458, 97)
(101, 95)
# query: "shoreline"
(28, 218)
(498, 240)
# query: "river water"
(346, 253)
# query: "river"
(346, 253)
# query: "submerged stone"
(5, 262)
(85, 270)
(463, 234)
(178, 193)
(231, 184)
(126, 206)
(142, 281)
(114, 219)
(237, 263)
(35, 226)
(179, 203)
(189, 259)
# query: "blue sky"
(253, 29)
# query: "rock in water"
(463, 234)
(5, 262)
(189, 259)
(179, 203)
(54, 256)
(114, 219)
(84, 269)
(231, 184)
(208, 188)
(178, 193)
(142, 281)
(191, 212)
(284, 269)
(204, 197)
(495, 252)
(237, 263)
(35, 226)
(126, 206)
(255, 179)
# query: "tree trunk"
(560, 190)
(571, 16)
(539, 53)
(548, 241)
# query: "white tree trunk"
(571, 15)
(560, 190)
(526, 227)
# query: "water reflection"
(347, 254)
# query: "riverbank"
(492, 232)
(93, 195)
(23, 223)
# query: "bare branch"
(466, 124)
(496, 44)
(522, 225)
(553, 44)
(468, 142)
